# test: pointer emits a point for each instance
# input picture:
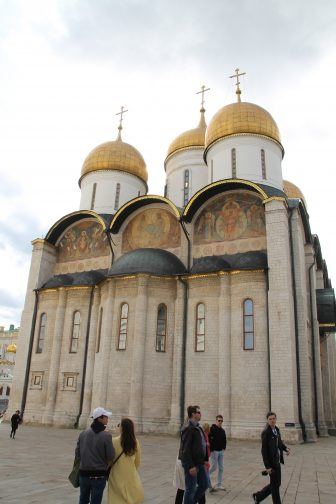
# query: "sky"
(67, 66)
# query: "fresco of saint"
(230, 216)
(152, 228)
(83, 241)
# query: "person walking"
(193, 454)
(124, 484)
(15, 421)
(217, 439)
(272, 449)
(95, 451)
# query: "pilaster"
(55, 358)
(224, 352)
(44, 256)
(138, 358)
(284, 392)
(322, 428)
(101, 367)
(175, 421)
(90, 360)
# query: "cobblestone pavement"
(34, 469)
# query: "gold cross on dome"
(121, 113)
(236, 76)
(203, 90)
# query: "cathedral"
(214, 294)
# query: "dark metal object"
(30, 351)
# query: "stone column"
(331, 347)
(41, 269)
(55, 357)
(224, 352)
(323, 430)
(90, 360)
(138, 358)
(102, 369)
(175, 421)
(284, 394)
(327, 402)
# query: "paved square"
(34, 469)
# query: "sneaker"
(212, 489)
(220, 487)
(254, 497)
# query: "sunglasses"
(221, 421)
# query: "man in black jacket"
(193, 455)
(15, 421)
(217, 438)
(272, 449)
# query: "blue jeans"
(91, 490)
(217, 461)
(196, 486)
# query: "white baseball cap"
(98, 412)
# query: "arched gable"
(215, 188)
(137, 203)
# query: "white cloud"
(68, 66)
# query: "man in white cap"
(95, 451)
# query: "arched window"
(41, 334)
(161, 328)
(123, 327)
(117, 196)
(7, 391)
(93, 197)
(233, 163)
(263, 164)
(75, 332)
(200, 328)
(99, 329)
(1, 390)
(186, 185)
(248, 325)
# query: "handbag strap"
(116, 460)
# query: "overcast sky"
(66, 67)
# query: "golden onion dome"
(11, 348)
(116, 155)
(241, 118)
(189, 139)
(292, 191)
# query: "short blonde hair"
(206, 427)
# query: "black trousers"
(180, 495)
(272, 488)
(13, 431)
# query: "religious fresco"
(152, 228)
(230, 217)
(83, 241)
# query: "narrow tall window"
(93, 197)
(99, 329)
(75, 332)
(248, 325)
(211, 176)
(1, 390)
(161, 328)
(7, 391)
(263, 164)
(200, 328)
(233, 163)
(41, 334)
(165, 190)
(117, 197)
(123, 327)
(186, 186)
